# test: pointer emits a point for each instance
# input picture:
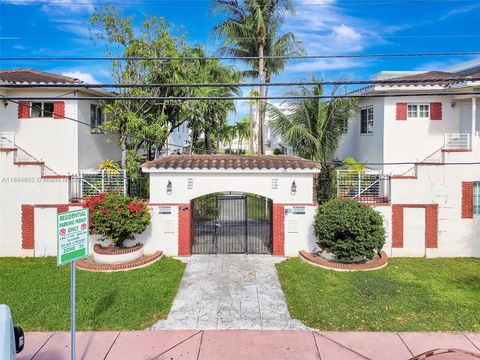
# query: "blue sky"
(60, 28)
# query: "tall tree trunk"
(123, 146)
(264, 113)
(260, 109)
(208, 140)
(251, 124)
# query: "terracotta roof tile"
(29, 76)
(232, 162)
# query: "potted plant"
(116, 219)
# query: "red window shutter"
(401, 111)
(24, 109)
(467, 200)
(436, 111)
(58, 110)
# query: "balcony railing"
(459, 141)
(7, 140)
(362, 186)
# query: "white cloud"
(58, 5)
(460, 10)
(81, 75)
(19, 47)
(325, 65)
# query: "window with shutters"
(41, 110)
(476, 198)
(366, 120)
(96, 119)
(418, 111)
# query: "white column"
(474, 117)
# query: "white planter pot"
(116, 256)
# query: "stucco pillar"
(474, 117)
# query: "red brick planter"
(379, 263)
(114, 250)
(90, 265)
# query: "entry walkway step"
(230, 292)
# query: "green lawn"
(38, 292)
(408, 295)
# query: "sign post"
(72, 244)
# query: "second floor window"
(476, 198)
(96, 118)
(42, 110)
(418, 111)
(366, 120)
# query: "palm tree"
(311, 126)
(250, 29)
(243, 131)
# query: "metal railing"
(457, 141)
(89, 183)
(7, 140)
(362, 186)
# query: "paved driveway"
(230, 292)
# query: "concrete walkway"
(230, 292)
(243, 344)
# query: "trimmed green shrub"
(349, 230)
(277, 151)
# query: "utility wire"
(332, 162)
(92, 127)
(285, 57)
(255, 84)
(218, 98)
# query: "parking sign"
(72, 236)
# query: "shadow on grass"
(102, 305)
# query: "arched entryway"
(231, 223)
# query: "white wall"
(48, 139)
(93, 148)
(299, 232)
(162, 234)
(442, 185)
(179, 137)
(365, 147)
(23, 185)
(415, 139)
(210, 182)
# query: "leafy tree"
(242, 131)
(143, 125)
(311, 126)
(251, 30)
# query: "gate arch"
(231, 223)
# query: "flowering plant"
(117, 217)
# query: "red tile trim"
(143, 261)
(379, 263)
(115, 251)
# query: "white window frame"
(98, 110)
(42, 110)
(370, 121)
(419, 111)
(476, 198)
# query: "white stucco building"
(425, 146)
(42, 143)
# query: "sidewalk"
(242, 344)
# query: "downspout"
(75, 137)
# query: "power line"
(286, 57)
(249, 84)
(218, 98)
(200, 2)
(54, 114)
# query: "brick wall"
(467, 200)
(184, 230)
(28, 227)
(397, 226)
(278, 230)
(401, 113)
(23, 109)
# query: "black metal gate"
(232, 224)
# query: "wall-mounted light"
(169, 188)
(293, 188)
(5, 103)
(453, 104)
